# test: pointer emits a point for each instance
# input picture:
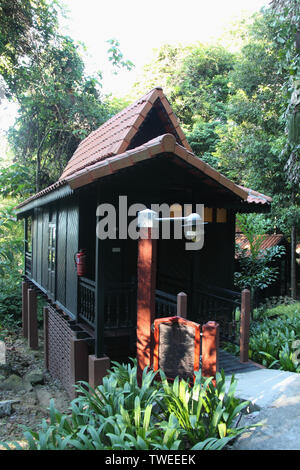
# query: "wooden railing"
(165, 304)
(87, 300)
(204, 303)
(220, 305)
(120, 304)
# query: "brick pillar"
(46, 338)
(145, 299)
(25, 309)
(210, 349)
(245, 325)
(182, 305)
(32, 319)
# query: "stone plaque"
(177, 347)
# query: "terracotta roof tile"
(256, 197)
(267, 242)
(163, 143)
(42, 193)
(114, 136)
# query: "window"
(218, 216)
(208, 214)
(51, 256)
(176, 210)
(28, 245)
(28, 239)
(221, 216)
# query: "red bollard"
(210, 349)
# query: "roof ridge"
(114, 136)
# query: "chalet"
(141, 153)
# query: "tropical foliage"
(240, 110)
(275, 337)
(11, 259)
(119, 415)
(256, 269)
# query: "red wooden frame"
(168, 320)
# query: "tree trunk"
(293, 263)
(37, 174)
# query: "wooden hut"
(141, 153)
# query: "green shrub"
(276, 306)
(11, 262)
(274, 334)
(120, 415)
(203, 410)
(10, 302)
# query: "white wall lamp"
(193, 223)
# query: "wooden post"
(182, 305)
(145, 299)
(99, 291)
(98, 368)
(25, 309)
(245, 325)
(79, 361)
(210, 349)
(32, 320)
(46, 338)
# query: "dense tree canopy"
(240, 110)
(58, 103)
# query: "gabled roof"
(125, 140)
(154, 148)
(151, 149)
(115, 136)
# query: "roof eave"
(46, 196)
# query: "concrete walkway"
(276, 396)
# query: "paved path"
(231, 364)
(276, 395)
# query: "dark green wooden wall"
(63, 286)
(67, 247)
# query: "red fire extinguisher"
(80, 261)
